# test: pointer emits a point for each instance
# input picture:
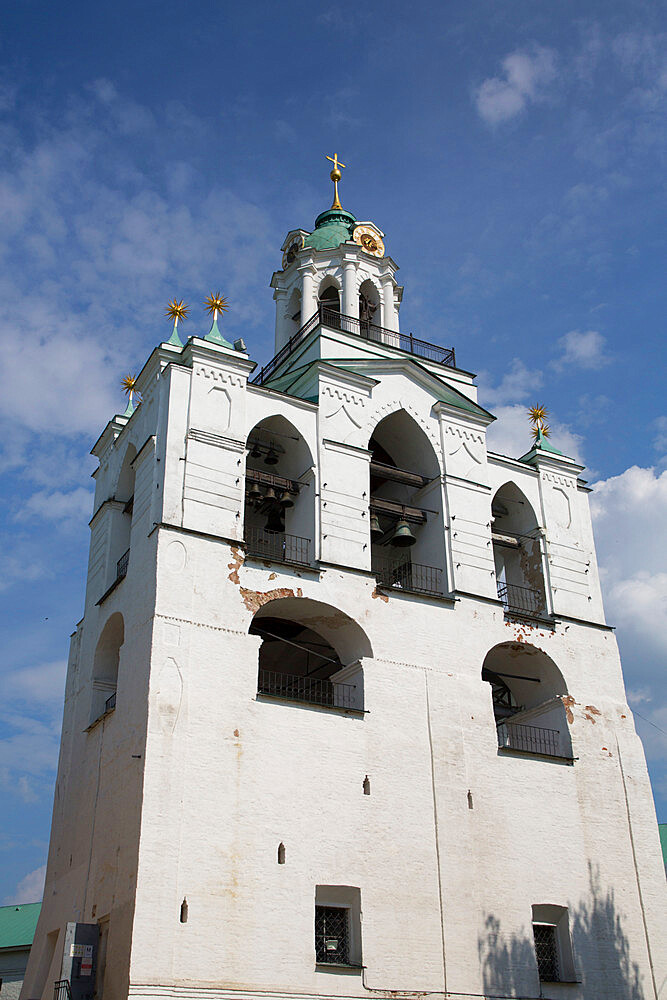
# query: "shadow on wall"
(599, 954)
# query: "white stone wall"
(185, 790)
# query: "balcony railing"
(277, 546)
(311, 690)
(110, 702)
(121, 565)
(530, 739)
(408, 576)
(369, 331)
(521, 600)
(62, 990)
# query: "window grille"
(546, 952)
(332, 935)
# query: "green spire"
(215, 337)
(175, 340)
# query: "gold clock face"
(292, 250)
(368, 240)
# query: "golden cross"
(335, 177)
(335, 161)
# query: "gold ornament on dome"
(335, 176)
(538, 414)
(177, 310)
(216, 303)
(368, 240)
(543, 430)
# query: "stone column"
(350, 299)
(280, 296)
(389, 317)
(308, 296)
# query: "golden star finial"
(538, 414)
(335, 176)
(541, 430)
(216, 303)
(176, 310)
(128, 383)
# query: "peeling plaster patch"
(235, 566)
(273, 576)
(255, 599)
(590, 711)
(569, 702)
(236, 733)
(383, 597)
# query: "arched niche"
(527, 691)
(406, 505)
(328, 298)
(369, 306)
(121, 527)
(105, 665)
(311, 653)
(293, 317)
(279, 496)
(517, 553)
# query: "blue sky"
(514, 156)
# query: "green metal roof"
(17, 924)
(332, 228)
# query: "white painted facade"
(181, 778)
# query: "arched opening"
(527, 691)
(279, 504)
(311, 653)
(406, 513)
(328, 301)
(122, 522)
(369, 307)
(105, 666)
(517, 553)
(293, 320)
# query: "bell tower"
(340, 267)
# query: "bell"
(254, 493)
(274, 522)
(376, 530)
(271, 457)
(286, 500)
(402, 537)
(255, 453)
(270, 495)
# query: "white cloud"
(66, 508)
(524, 77)
(41, 683)
(30, 889)
(582, 350)
(518, 383)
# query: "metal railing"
(369, 331)
(408, 576)
(521, 600)
(277, 546)
(110, 702)
(312, 690)
(121, 565)
(62, 990)
(530, 739)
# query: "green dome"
(332, 228)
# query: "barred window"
(332, 935)
(546, 952)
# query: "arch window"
(328, 302)
(310, 653)
(279, 504)
(105, 666)
(369, 307)
(406, 522)
(527, 691)
(517, 553)
(122, 523)
(293, 313)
